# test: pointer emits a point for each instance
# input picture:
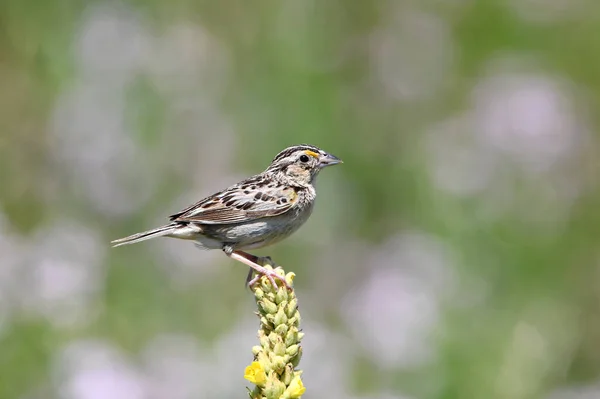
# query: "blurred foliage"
(303, 72)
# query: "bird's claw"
(262, 261)
(271, 275)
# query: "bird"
(254, 213)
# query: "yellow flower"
(255, 374)
(296, 388)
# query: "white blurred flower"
(187, 60)
(179, 368)
(97, 370)
(187, 265)
(92, 147)
(458, 165)
(326, 361)
(93, 142)
(230, 356)
(591, 391)
(112, 43)
(63, 273)
(205, 146)
(175, 366)
(530, 117)
(13, 251)
(397, 306)
(516, 149)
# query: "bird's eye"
(304, 158)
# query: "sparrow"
(254, 213)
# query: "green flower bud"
(264, 340)
(281, 330)
(280, 317)
(268, 306)
(265, 285)
(270, 319)
(292, 307)
(282, 295)
(279, 349)
(280, 271)
(256, 349)
(292, 350)
(278, 364)
(296, 359)
(291, 337)
(259, 294)
(273, 389)
(274, 338)
(282, 305)
(293, 321)
(288, 374)
(270, 356)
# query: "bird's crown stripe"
(301, 147)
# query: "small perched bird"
(253, 213)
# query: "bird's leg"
(253, 262)
(249, 278)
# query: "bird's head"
(300, 164)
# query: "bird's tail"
(145, 235)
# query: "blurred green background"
(455, 254)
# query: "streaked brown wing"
(237, 205)
(214, 200)
(203, 203)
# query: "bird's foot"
(257, 264)
(269, 274)
(261, 261)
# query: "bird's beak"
(329, 160)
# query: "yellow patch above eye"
(311, 153)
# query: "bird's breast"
(268, 231)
